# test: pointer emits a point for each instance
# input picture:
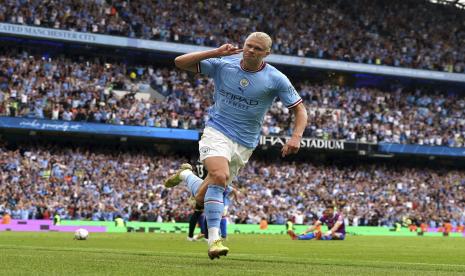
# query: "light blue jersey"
(242, 97)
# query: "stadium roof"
(458, 3)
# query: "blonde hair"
(262, 36)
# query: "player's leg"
(308, 236)
(212, 144)
(224, 227)
(193, 222)
(292, 234)
(193, 182)
(199, 198)
(203, 226)
(238, 161)
(185, 173)
(202, 190)
(337, 236)
(218, 172)
(224, 221)
(334, 236)
(215, 153)
(178, 176)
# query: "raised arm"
(189, 61)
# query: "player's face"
(255, 49)
(329, 212)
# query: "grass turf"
(170, 254)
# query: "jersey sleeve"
(287, 93)
(209, 66)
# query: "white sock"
(213, 234)
(184, 174)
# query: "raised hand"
(227, 50)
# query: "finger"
(284, 151)
(233, 49)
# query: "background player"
(201, 220)
(194, 220)
(334, 221)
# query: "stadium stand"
(397, 33)
(86, 90)
(97, 184)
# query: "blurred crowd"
(97, 184)
(70, 90)
(413, 33)
(86, 90)
(399, 116)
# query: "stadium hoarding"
(27, 126)
(55, 126)
(43, 225)
(180, 227)
(178, 48)
(421, 150)
(266, 141)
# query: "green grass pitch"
(172, 254)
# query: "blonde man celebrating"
(245, 88)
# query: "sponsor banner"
(166, 227)
(265, 141)
(422, 150)
(116, 41)
(314, 143)
(99, 39)
(33, 225)
(95, 128)
(48, 33)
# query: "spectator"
(6, 219)
(416, 33)
(88, 184)
(363, 114)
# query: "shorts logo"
(204, 150)
(244, 82)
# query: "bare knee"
(218, 177)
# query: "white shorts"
(215, 143)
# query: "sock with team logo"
(214, 207)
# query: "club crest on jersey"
(244, 82)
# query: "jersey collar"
(259, 68)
